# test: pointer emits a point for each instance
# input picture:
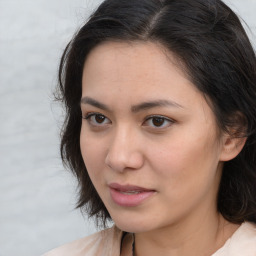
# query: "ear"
(234, 138)
(231, 147)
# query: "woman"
(161, 129)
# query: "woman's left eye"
(158, 122)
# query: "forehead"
(146, 54)
(144, 65)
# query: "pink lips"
(128, 195)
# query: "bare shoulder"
(105, 242)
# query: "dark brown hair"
(211, 43)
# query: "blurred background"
(37, 195)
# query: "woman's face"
(148, 138)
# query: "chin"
(133, 225)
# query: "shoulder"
(242, 242)
(105, 242)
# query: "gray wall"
(37, 196)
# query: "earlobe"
(232, 146)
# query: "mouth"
(130, 192)
(129, 195)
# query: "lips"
(129, 195)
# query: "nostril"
(121, 161)
(115, 162)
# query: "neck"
(186, 238)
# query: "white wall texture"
(37, 196)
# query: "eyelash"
(160, 118)
(88, 117)
(165, 120)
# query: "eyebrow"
(154, 104)
(136, 108)
(95, 103)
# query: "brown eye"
(158, 121)
(99, 118)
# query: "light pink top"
(108, 243)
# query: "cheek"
(186, 176)
(91, 153)
(186, 161)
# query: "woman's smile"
(129, 195)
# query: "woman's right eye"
(96, 119)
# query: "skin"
(179, 156)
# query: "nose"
(124, 152)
